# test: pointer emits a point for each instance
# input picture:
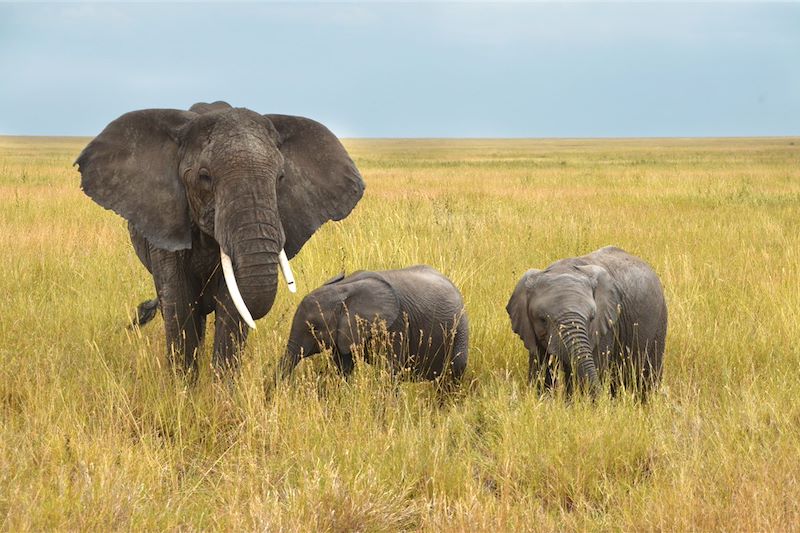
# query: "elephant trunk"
(256, 276)
(577, 350)
(290, 358)
(303, 342)
(248, 230)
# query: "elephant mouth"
(233, 287)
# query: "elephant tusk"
(287, 271)
(233, 289)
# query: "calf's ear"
(518, 309)
(366, 303)
(606, 298)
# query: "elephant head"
(256, 184)
(334, 316)
(562, 313)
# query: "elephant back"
(433, 309)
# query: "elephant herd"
(218, 199)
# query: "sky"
(411, 69)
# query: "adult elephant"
(599, 315)
(218, 184)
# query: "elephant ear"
(320, 181)
(517, 309)
(132, 169)
(606, 298)
(203, 107)
(364, 301)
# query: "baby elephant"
(416, 313)
(602, 316)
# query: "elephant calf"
(602, 315)
(420, 312)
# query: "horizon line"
(488, 138)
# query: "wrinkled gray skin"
(599, 316)
(422, 310)
(190, 182)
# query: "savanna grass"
(96, 432)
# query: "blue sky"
(412, 70)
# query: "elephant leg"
(613, 382)
(629, 369)
(458, 361)
(344, 362)
(455, 364)
(178, 297)
(549, 376)
(569, 380)
(540, 372)
(650, 374)
(533, 367)
(616, 375)
(230, 332)
(200, 327)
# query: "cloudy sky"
(412, 70)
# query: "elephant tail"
(145, 312)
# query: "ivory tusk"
(233, 289)
(287, 271)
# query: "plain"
(97, 433)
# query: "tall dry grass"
(96, 433)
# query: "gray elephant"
(420, 312)
(600, 316)
(212, 186)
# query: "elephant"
(218, 186)
(601, 315)
(415, 313)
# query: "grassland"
(96, 433)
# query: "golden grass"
(96, 433)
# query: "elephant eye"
(205, 179)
